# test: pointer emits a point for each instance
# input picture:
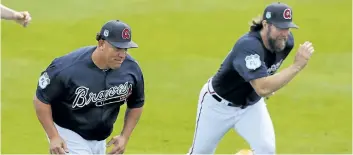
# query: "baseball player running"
(23, 18)
(234, 97)
(79, 95)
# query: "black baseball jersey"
(86, 99)
(248, 60)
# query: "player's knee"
(265, 148)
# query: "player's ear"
(100, 43)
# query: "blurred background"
(181, 44)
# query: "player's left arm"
(22, 17)
(132, 116)
(7, 13)
(135, 103)
(134, 108)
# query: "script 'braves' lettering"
(112, 95)
(88, 87)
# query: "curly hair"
(256, 23)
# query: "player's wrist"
(52, 137)
(52, 133)
(17, 15)
(126, 136)
(296, 68)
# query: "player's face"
(114, 56)
(277, 38)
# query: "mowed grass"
(182, 44)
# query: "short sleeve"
(137, 98)
(49, 86)
(249, 60)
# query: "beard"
(276, 44)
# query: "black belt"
(216, 97)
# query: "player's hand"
(119, 144)
(58, 146)
(23, 18)
(303, 54)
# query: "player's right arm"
(267, 85)
(253, 69)
(44, 115)
(49, 89)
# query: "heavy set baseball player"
(79, 95)
(234, 97)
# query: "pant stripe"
(197, 123)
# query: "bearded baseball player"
(79, 95)
(234, 97)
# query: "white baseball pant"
(214, 119)
(77, 145)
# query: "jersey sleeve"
(49, 86)
(249, 60)
(137, 98)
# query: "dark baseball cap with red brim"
(118, 34)
(280, 15)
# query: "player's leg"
(255, 126)
(213, 121)
(75, 143)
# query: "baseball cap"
(280, 15)
(118, 34)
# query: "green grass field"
(182, 43)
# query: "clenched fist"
(23, 18)
(303, 54)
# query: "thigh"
(255, 126)
(74, 142)
(213, 121)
